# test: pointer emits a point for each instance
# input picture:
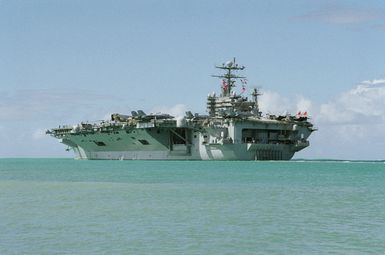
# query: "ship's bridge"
(229, 104)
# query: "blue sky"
(62, 62)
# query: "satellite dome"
(229, 63)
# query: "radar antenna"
(229, 79)
(255, 95)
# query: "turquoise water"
(64, 206)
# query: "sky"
(63, 62)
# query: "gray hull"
(159, 144)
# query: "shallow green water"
(64, 206)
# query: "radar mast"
(229, 78)
(255, 95)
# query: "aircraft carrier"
(233, 129)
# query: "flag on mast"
(224, 84)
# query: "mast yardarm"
(229, 78)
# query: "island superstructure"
(233, 129)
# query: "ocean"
(65, 206)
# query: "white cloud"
(303, 104)
(274, 103)
(352, 126)
(364, 104)
(346, 16)
(342, 15)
